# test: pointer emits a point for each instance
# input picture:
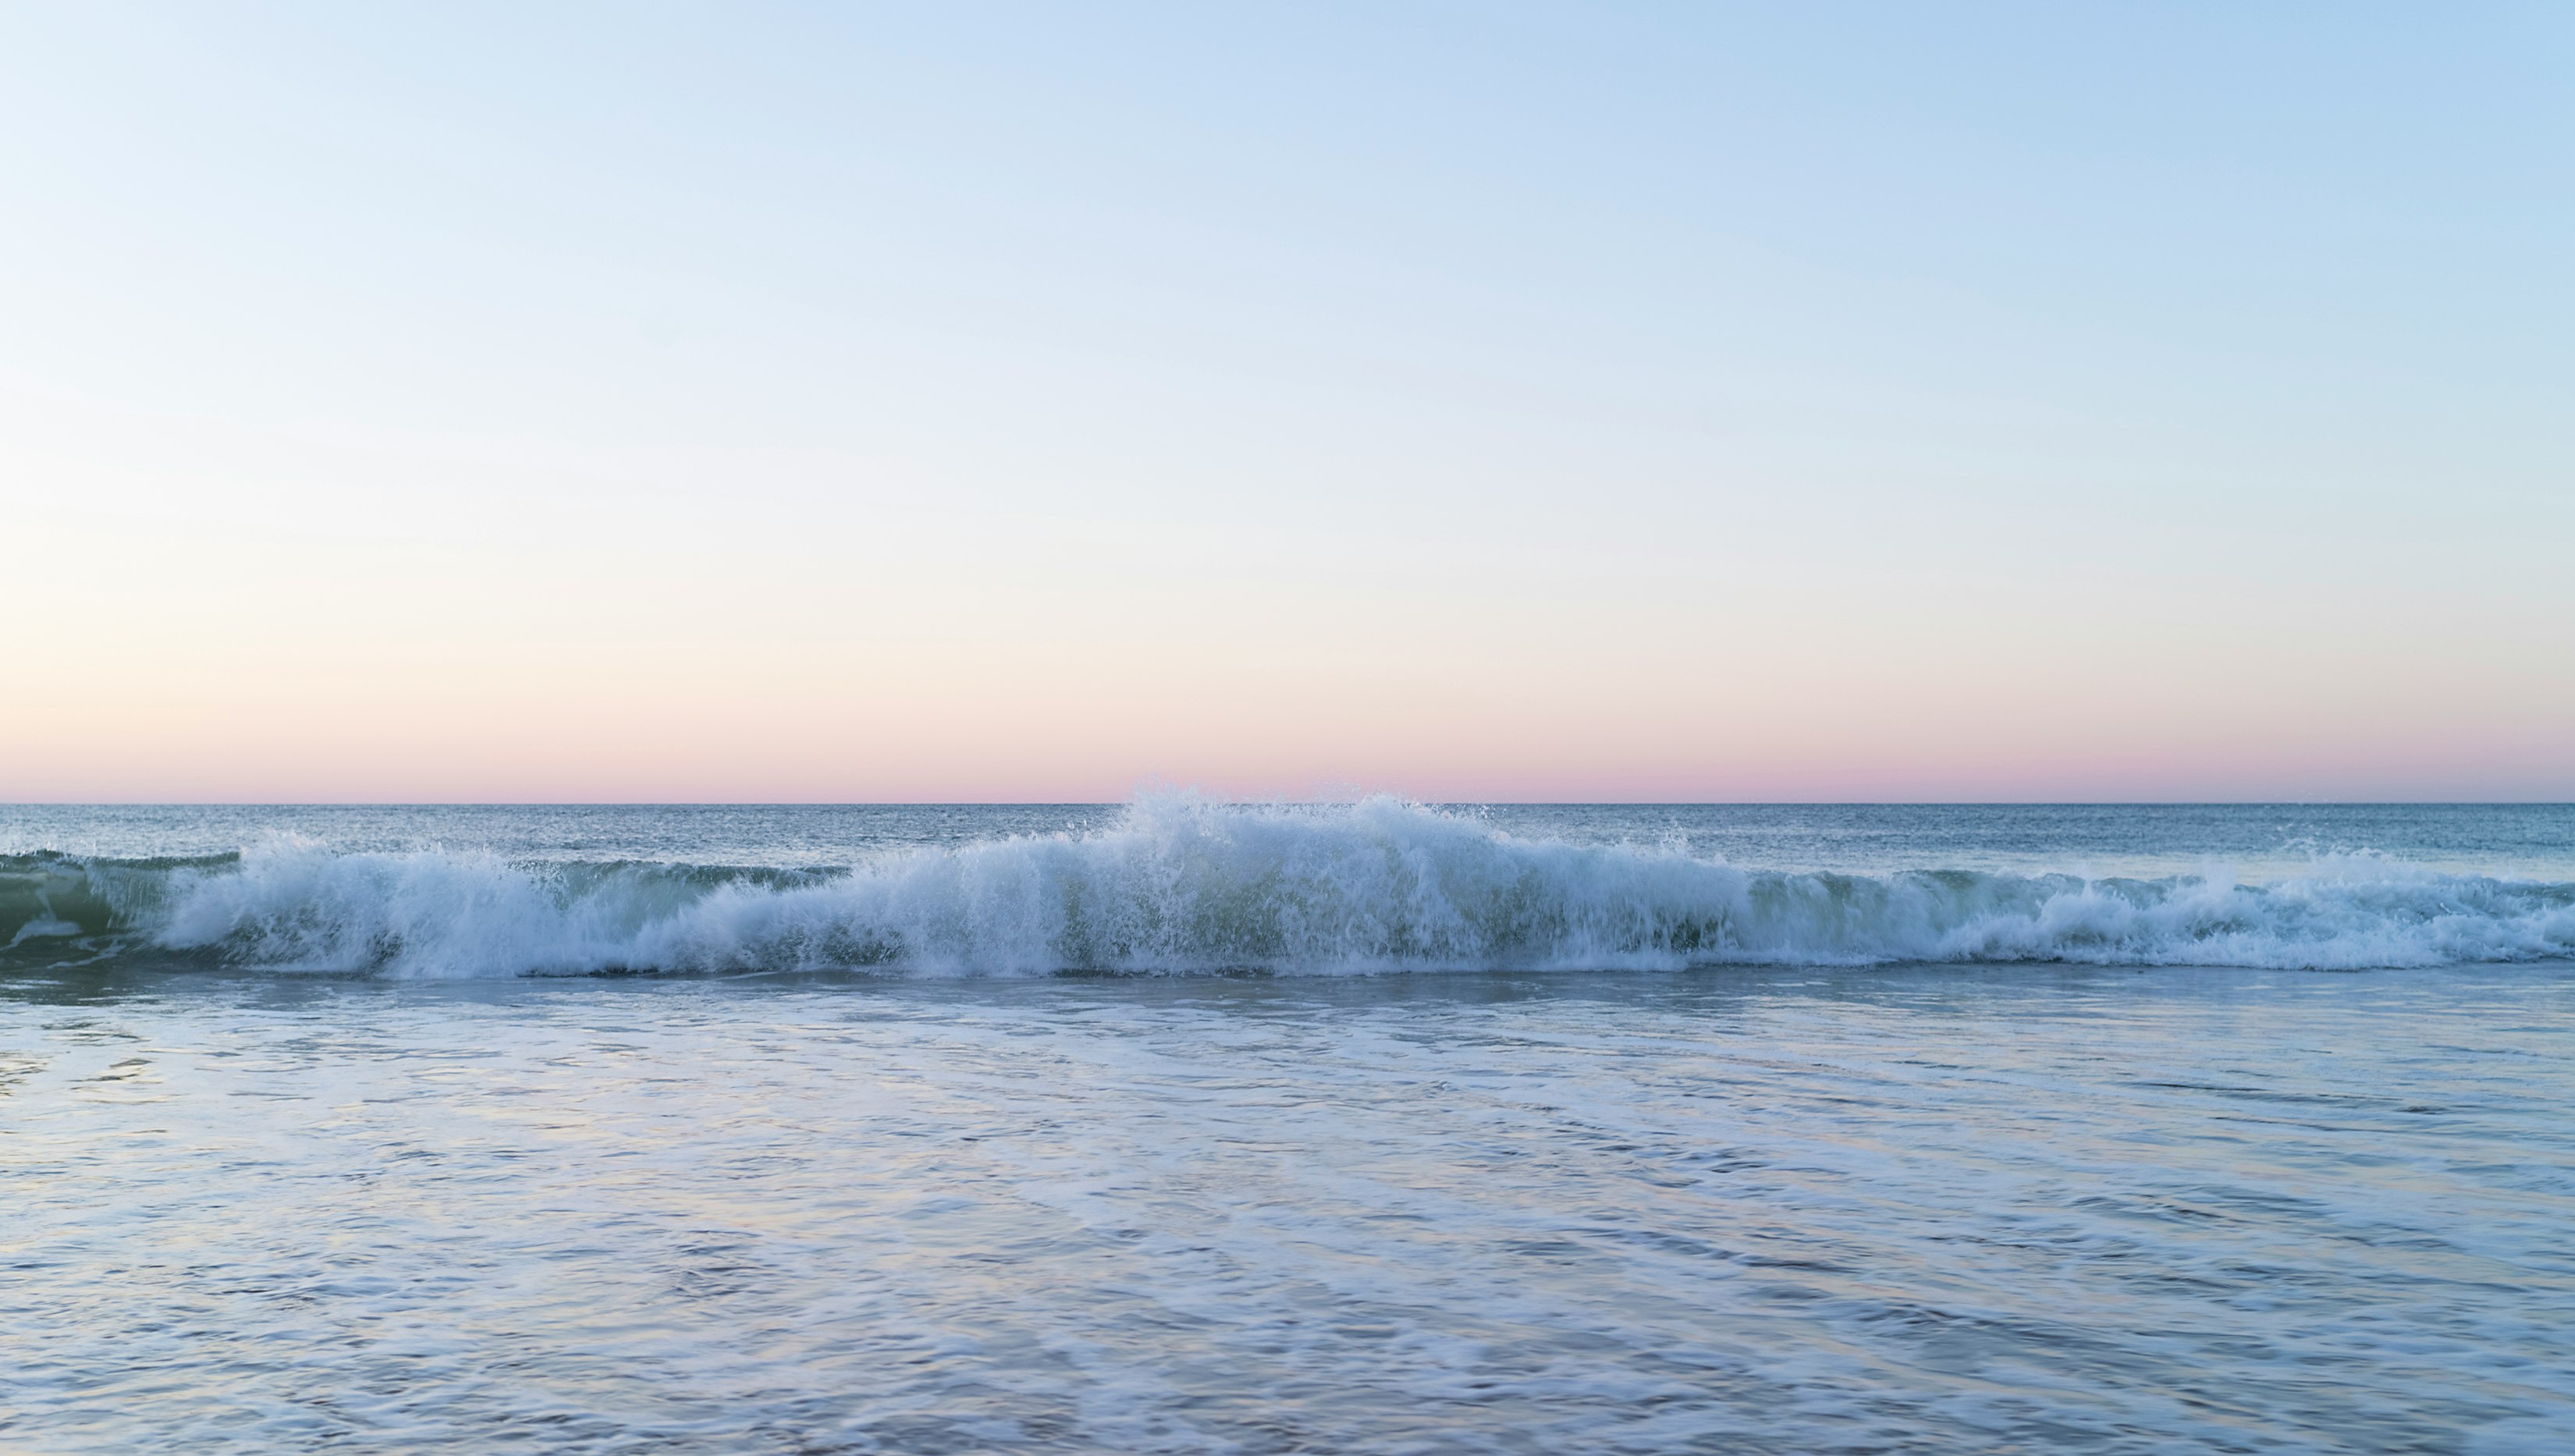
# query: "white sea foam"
(1182, 883)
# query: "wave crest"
(1182, 883)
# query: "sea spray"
(1180, 883)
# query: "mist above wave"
(1180, 883)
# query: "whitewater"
(1182, 883)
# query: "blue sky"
(1476, 400)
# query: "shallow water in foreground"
(1911, 1208)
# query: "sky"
(1474, 402)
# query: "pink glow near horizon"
(616, 751)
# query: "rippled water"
(1913, 1208)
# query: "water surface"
(408, 1200)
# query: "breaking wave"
(1182, 884)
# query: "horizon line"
(1282, 800)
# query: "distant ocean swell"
(1180, 884)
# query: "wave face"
(1182, 885)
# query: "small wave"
(1180, 883)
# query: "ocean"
(1185, 1125)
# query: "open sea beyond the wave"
(1186, 1125)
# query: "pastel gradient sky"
(962, 401)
